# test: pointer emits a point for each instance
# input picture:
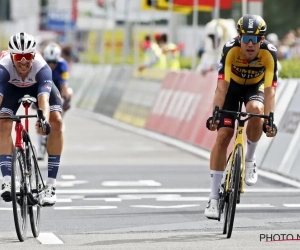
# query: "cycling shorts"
(12, 94)
(232, 99)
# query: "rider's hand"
(267, 130)
(66, 104)
(39, 128)
(209, 124)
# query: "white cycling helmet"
(52, 52)
(22, 43)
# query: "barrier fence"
(177, 105)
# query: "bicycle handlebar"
(19, 117)
(217, 110)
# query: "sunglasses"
(51, 61)
(19, 57)
(254, 39)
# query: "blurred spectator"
(273, 39)
(164, 55)
(217, 33)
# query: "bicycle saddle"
(27, 98)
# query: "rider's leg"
(5, 156)
(254, 128)
(254, 132)
(54, 146)
(218, 159)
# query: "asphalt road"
(118, 190)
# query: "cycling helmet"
(52, 52)
(251, 25)
(22, 43)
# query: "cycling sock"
(51, 181)
(5, 164)
(251, 147)
(216, 177)
(53, 165)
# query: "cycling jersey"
(60, 73)
(234, 67)
(37, 82)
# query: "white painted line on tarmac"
(5, 208)
(63, 200)
(159, 207)
(139, 183)
(170, 190)
(68, 177)
(291, 205)
(254, 205)
(146, 196)
(182, 199)
(103, 199)
(49, 238)
(84, 207)
(70, 183)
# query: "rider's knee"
(255, 108)
(5, 127)
(224, 137)
(56, 121)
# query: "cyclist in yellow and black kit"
(248, 69)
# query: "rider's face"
(23, 67)
(250, 49)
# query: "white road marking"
(63, 200)
(146, 196)
(49, 238)
(84, 207)
(291, 205)
(170, 190)
(68, 177)
(182, 199)
(103, 199)
(5, 208)
(70, 183)
(176, 206)
(253, 205)
(149, 183)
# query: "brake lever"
(271, 120)
(215, 115)
(41, 118)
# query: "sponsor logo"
(47, 87)
(30, 79)
(250, 24)
(15, 80)
(221, 76)
(48, 81)
(248, 73)
(227, 122)
(274, 84)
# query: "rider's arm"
(44, 80)
(270, 80)
(64, 77)
(224, 76)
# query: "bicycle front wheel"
(18, 193)
(233, 189)
(36, 187)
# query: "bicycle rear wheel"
(18, 193)
(36, 188)
(233, 189)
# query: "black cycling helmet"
(251, 25)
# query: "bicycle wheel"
(225, 202)
(233, 189)
(18, 193)
(36, 189)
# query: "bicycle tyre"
(36, 189)
(234, 186)
(226, 205)
(19, 197)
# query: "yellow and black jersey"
(234, 67)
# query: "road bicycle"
(27, 185)
(233, 186)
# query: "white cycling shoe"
(251, 174)
(212, 209)
(49, 198)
